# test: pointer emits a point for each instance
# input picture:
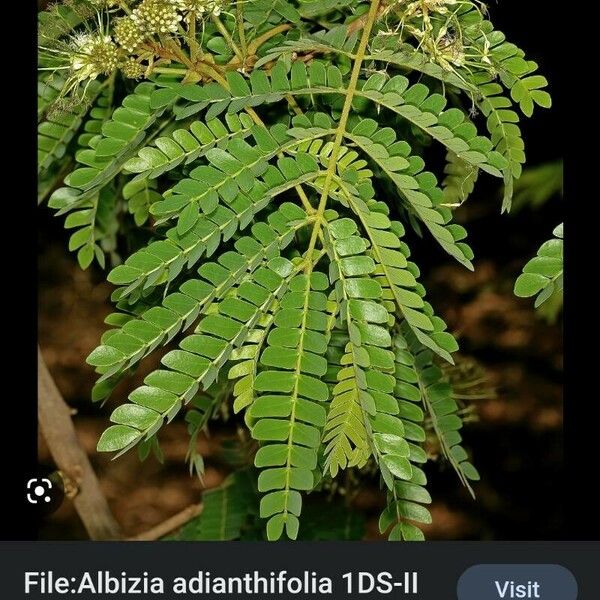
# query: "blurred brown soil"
(516, 442)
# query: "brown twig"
(58, 431)
(171, 524)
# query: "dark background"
(517, 442)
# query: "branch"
(58, 431)
(171, 524)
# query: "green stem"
(226, 35)
(192, 41)
(259, 41)
(241, 31)
(341, 129)
(170, 71)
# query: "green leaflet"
(288, 411)
(543, 274)
(161, 261)
(232, 170)
(198, 360)
(59, 127)
(396, 275)
(121, 136)
(438, 401)
(348, 431)
(124, 347)
(184, 146)
(414, 103)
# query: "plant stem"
(341, 129)
(223, 31)
(192, 41)
(57, 428)
(293, 104)
(170, 525)
(241, 32)
(170, 71)
(259, 41)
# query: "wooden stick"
(171, 524)
(58, 431)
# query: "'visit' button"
(521, 582)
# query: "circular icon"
(45, 491)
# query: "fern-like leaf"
(543, 274)
(225, 510)
(140, 195)
(124, 347)
(198, 360)
(185, 145)
(232, 170)
(245, 369)
(414, 103)
(395, 274)
(438, 401)
(347, 431)
(405, 497)
(289, 412)
(161, 261)
(61, 124)
(121, 136)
